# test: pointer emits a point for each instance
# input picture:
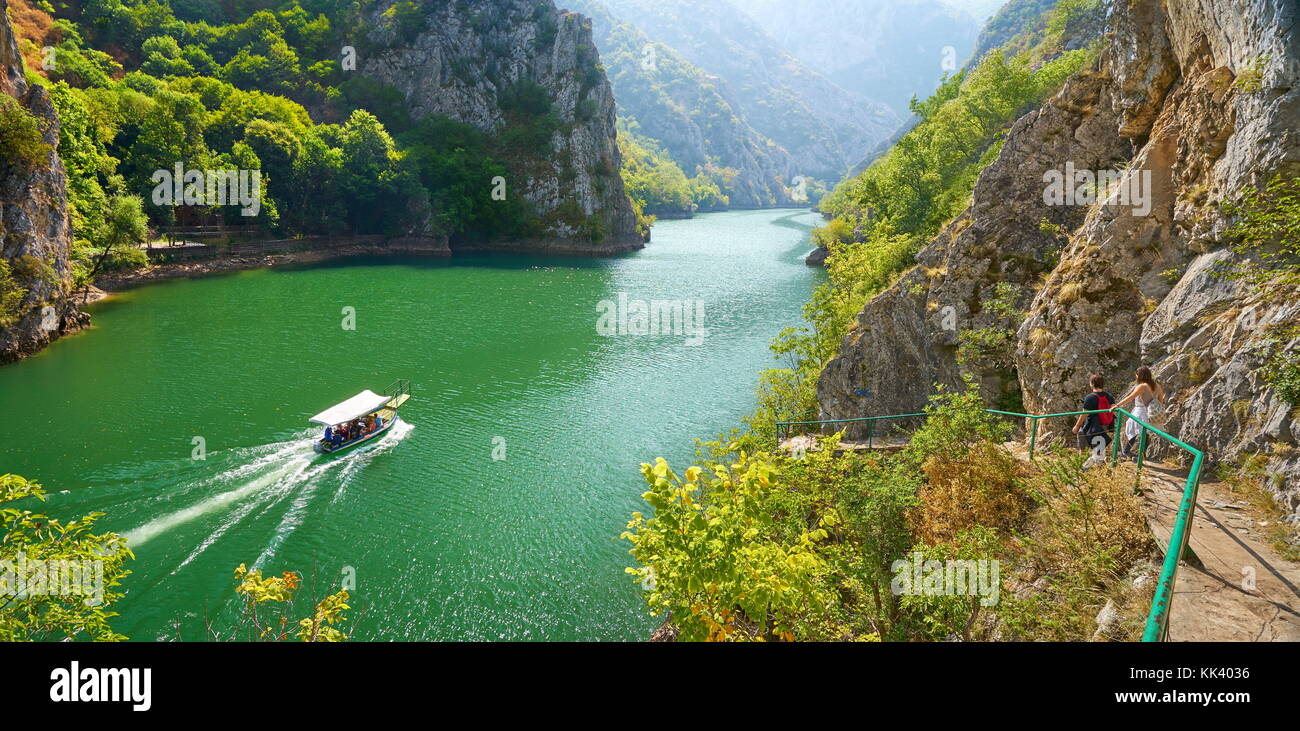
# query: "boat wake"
(348, 466)
(261, 478)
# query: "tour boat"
(360, 419)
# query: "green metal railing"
(1157, 626)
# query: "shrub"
(710, 558)
(12, 294)
(22, 142)
(125, 258)
(955, 422)
(1087, 532)
(978, 487)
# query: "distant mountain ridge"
(887, 50)
(823, 127)
(694, 115)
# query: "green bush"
(126, 259)
(22, 142)
(12, 294)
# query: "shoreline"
(108, 284)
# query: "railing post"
(1033, 435)
(1157, 628)
(1193, 484)
(1114, 442)
(1142, 446)
(871, 430)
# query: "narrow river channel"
(491, 513)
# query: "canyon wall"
(1191, 101)
(468, 60)
(35, 234)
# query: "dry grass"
(1083, 515)
(979, 487)
(35, 30)
(1040, 338)
(1083, 547)
(1249, 478)
(1070, 292)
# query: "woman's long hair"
(1144, 376)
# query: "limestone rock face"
(463, 62)
(35, 233)
(1126, 282)
(905, 340)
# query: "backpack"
(1107, 417)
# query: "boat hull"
(322, 448)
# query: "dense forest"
(140, 86)
(658, 186)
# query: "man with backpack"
(1094, 431)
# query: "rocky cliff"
(34, 229)
(517, 66)
(1190, 103)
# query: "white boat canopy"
(363, 403)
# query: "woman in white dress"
(1142, 396)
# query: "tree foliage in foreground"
(36, 603)
(767, 547)
(267, 610)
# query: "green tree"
(22, 140)
(709, 557)
(32, 607)
(125, 227)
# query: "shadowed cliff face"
(34, 229)
(1125, 282)
(466, 61)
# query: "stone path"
(1237, 588)
(808, 443)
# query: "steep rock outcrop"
(35, 234)
(905, 340)
(1133, 286)
(469, 56)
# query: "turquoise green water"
(444, 541)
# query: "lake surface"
(444, 541)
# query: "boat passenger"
(329, 435)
